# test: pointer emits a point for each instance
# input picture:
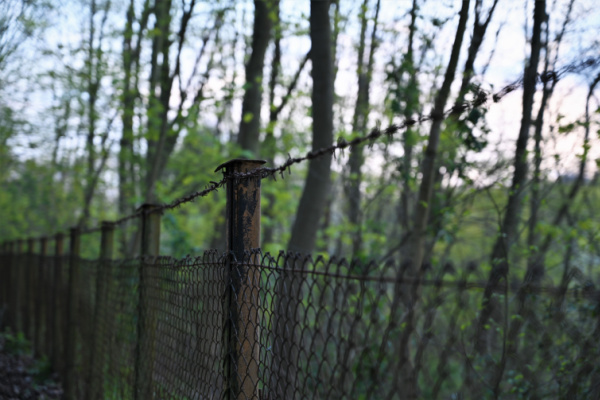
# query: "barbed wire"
(212, 187)
(480, 98)
(128, 217)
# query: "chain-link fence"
(293, 327)
(239, 324)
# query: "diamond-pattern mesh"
(294, 327)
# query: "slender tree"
(163, 130)
(95, 72)
(311, 207)
(269, 147)
(318, 179)
(412, 99)
(534, 267)
(248, 136)
(428, 167)
(359, 124)
(508, 230)
(436, 220)
(404, 366)
(132, 48)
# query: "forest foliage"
(106, 106)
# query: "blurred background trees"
(104, 106)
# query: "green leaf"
(566, 128)
(248, 117)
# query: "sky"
(505, 55)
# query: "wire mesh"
(295, 327)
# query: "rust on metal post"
(4, 276)
(72, 302)
(56, 317)
(97, 360)
(146, 343)
(242, 290)
(28, 290)
(11, 285)
(20, 292)
(40, 300)
(21, 284)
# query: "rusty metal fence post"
(4, 278)
(28, 267)
(57, 320)
(146, 329)
(241, 328)
(19, 270)
(7, 278)
(70, 378)
(39, 296)
(97, 359)
(32, 267)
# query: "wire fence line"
(238, 324)
(344, 322)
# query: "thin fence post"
(145, 350)
(70, 378)
(39, 296)
(4, 273)
(57, 316)
(19, 292)
(97, 360)
(241, 329)
(29, 292)
(5, 277)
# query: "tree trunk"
(429, 161)
(94, 76)
(508, 232)
(269, 147)
(160, 93)
(163, 133)
(408, 385)
(479, 30)
(126, 157)
(248, 137)
(535, 261)
(359, 125)
(318, 180)
(412, 99)
(436, 218)
(286, 344)
(534, 269)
